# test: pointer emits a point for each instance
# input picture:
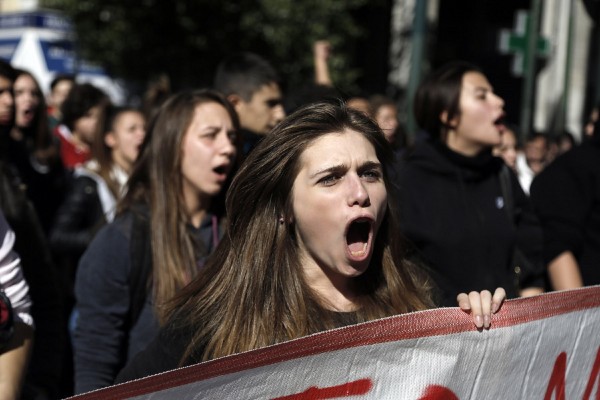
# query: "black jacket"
(78, 219)
(45, 185)
(452, 210)
(566, 196)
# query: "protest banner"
(544, 347)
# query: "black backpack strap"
(141, 264)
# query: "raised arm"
(321, 52)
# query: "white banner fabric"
(544, 347)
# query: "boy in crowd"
(252, 85)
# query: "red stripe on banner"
(594, 377)
(436, 322)
(356, 388)
(556, 386)
(435, 392)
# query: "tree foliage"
(140, 39)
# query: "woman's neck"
(78, 141)
(197, 208)
(197, 217)
(122, 163)
(337, 292)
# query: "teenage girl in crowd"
(34, 151)
(98, 183)
(169, 221)
(312, 244)
(385, 113)
(60, 86)
(95, 189)
(463, 224)
(82, 111)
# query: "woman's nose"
(357, 192)
(499, 100)
(227, 145)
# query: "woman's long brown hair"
(157, 181)
(252, 292)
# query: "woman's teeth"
(357, 238)
(357, 250)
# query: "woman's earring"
(281, 220)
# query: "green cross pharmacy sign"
(516, 42)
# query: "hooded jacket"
(452, 211)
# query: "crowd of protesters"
(205, 223)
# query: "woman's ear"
(235, 100)
(453, 123)
(110, 140)
(285, 220)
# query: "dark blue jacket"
(108, 333)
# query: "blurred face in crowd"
(564, 145)
(86, 127)
(478, 126)
(208, 150)
(359, 104)
(27, 99)
(339, 201)
(263, 111)
(589, 126)
(59, 93)
(125, 138)
(6, 101)
(387, 119)
(535, 153)
(507, 149)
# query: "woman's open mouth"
(499, 123)
(26, 115)
(221, 171)
(358, 238)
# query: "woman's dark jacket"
(116, 316)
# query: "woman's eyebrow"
(333, 168)
(341, 167)
(484, 89)
(208, 128)
(370, 165)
